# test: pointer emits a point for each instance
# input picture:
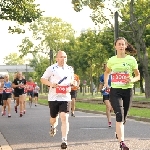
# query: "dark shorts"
(30, 93)
(16, 94)
(105, 97)
(73, 93)
(57, 107)
(36, 94)
(6, 96)
(1, 100)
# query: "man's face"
(61, 58)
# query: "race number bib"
(9, 90)
(61, 89)
(119, 78)
(107, 90)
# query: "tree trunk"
(143, 58)
(141, 85)
(146, 76)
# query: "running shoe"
(24, 111)
(9, 115)
(64, 145)
(109, 124)
(2, 114)
(123, 146)
(52, 131)
(72, 114)
(16, 109)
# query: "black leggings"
(121, 100)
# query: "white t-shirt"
(54, 74)
(36, 89)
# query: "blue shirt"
(7, 85)
(102, 81)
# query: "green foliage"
(49, 33)
(39, 63)
(21, 11)
(88, 52)
(13, 59)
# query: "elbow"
(42, 80)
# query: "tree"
(134, 15)
(48, 34)
(87, 53)
(21, 11)
(14, 59)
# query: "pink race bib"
(61, 89)
(119, 77)
(8, 90)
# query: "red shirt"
(30, 86)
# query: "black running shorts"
(57, 107)
(73, 93)
(105, 97)
(6, 96)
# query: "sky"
(54, 8)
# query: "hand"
(106, 85)
(54, 85)
(127, 79)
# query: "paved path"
(87, 132)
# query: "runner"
(59, 77)
(74, 93)
(6, 97)
(121, 68)
(18, 85)
(36, 93)
(1, 93)
(25, 96)
(30, 87)
(105, 94)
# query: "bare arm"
(137, 75)
(136, 78)
(14, 85)
(106, 76)
(101, 86)
(47, 82)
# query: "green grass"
(136, 97)
(141, 112)
(43, 101)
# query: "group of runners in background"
(18, 90)
(115, 85)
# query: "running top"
(102, 81)
(30, 86)
(36, 89)
(76, 78)
(121, 68)
(55, 74)
(20, 89)
(7, 87)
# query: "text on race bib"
(61, 89)
(119, 77)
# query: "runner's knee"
(119, 117)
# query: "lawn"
(141, 112)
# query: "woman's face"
(19, 74)
(120, 46)
(6, 77)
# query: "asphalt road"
(87, 132)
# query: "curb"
(3, 143)
(103, 113)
